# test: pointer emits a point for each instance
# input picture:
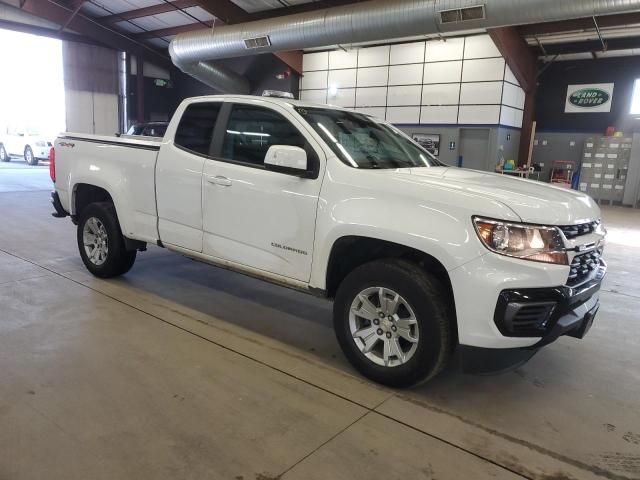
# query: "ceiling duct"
(376, 20)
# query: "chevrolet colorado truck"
(422, 260)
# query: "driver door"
(253, 216)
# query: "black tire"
(4, 156)
(29, 158)
(428, 300)
(118, 260)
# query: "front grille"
(573, 231)
(583, 266)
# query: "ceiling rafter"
(169, 31)
(579, 24)
(148, 11)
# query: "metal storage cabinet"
(605, 165)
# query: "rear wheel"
(29, 157)
(392, 322)
(4, 156)
(101, 243)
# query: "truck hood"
(532, 201)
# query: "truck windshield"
(361, 142)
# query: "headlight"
(519, 240)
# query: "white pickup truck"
(421, 259)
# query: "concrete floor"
(181, 370)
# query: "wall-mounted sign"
(589, 98)
(429, 142)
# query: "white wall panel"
(442, 72)
(371, 97)
(511, 117)
(379, 112)
(436, 115)
(314, 80)
(315, 96)
(342, 59)
(315, 61)
(406, 74)
(373, 56)
(407, 53)
(373, 76)
(406, 95)
(408, 115)
(343, 78)
(343, 98)
(451, 49)
(519, 118)
(480, 46)
(508, 116)
(483, 70)
(441, 94)
(513, 96)
(481, 93)
(393, 80)
(479, 114)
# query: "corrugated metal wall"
(91, 88)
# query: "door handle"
(219, 180)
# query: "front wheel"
(4, 156)
(101, 243)
(392, 322)
(29, 157)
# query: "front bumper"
(547, 313)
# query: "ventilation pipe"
(375, 20)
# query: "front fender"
(430, 229)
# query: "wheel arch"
(351, 251)
(83, 194)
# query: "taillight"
(52, 164)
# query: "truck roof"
(287, 102)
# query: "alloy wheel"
(384, 326)
(96, 241)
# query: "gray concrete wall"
(558, 146)
(508, 138)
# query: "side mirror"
(286, 159)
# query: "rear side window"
(252, 130)
(195, 129)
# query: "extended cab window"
(195, 129)
(252, 130)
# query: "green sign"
(589, 98)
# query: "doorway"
(474, 148)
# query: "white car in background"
(32, 147)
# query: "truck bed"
(122, 166)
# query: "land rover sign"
(589, 98)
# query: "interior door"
(252, 216)
(179, 176)
(474, 148)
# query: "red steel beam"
(524, 65)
